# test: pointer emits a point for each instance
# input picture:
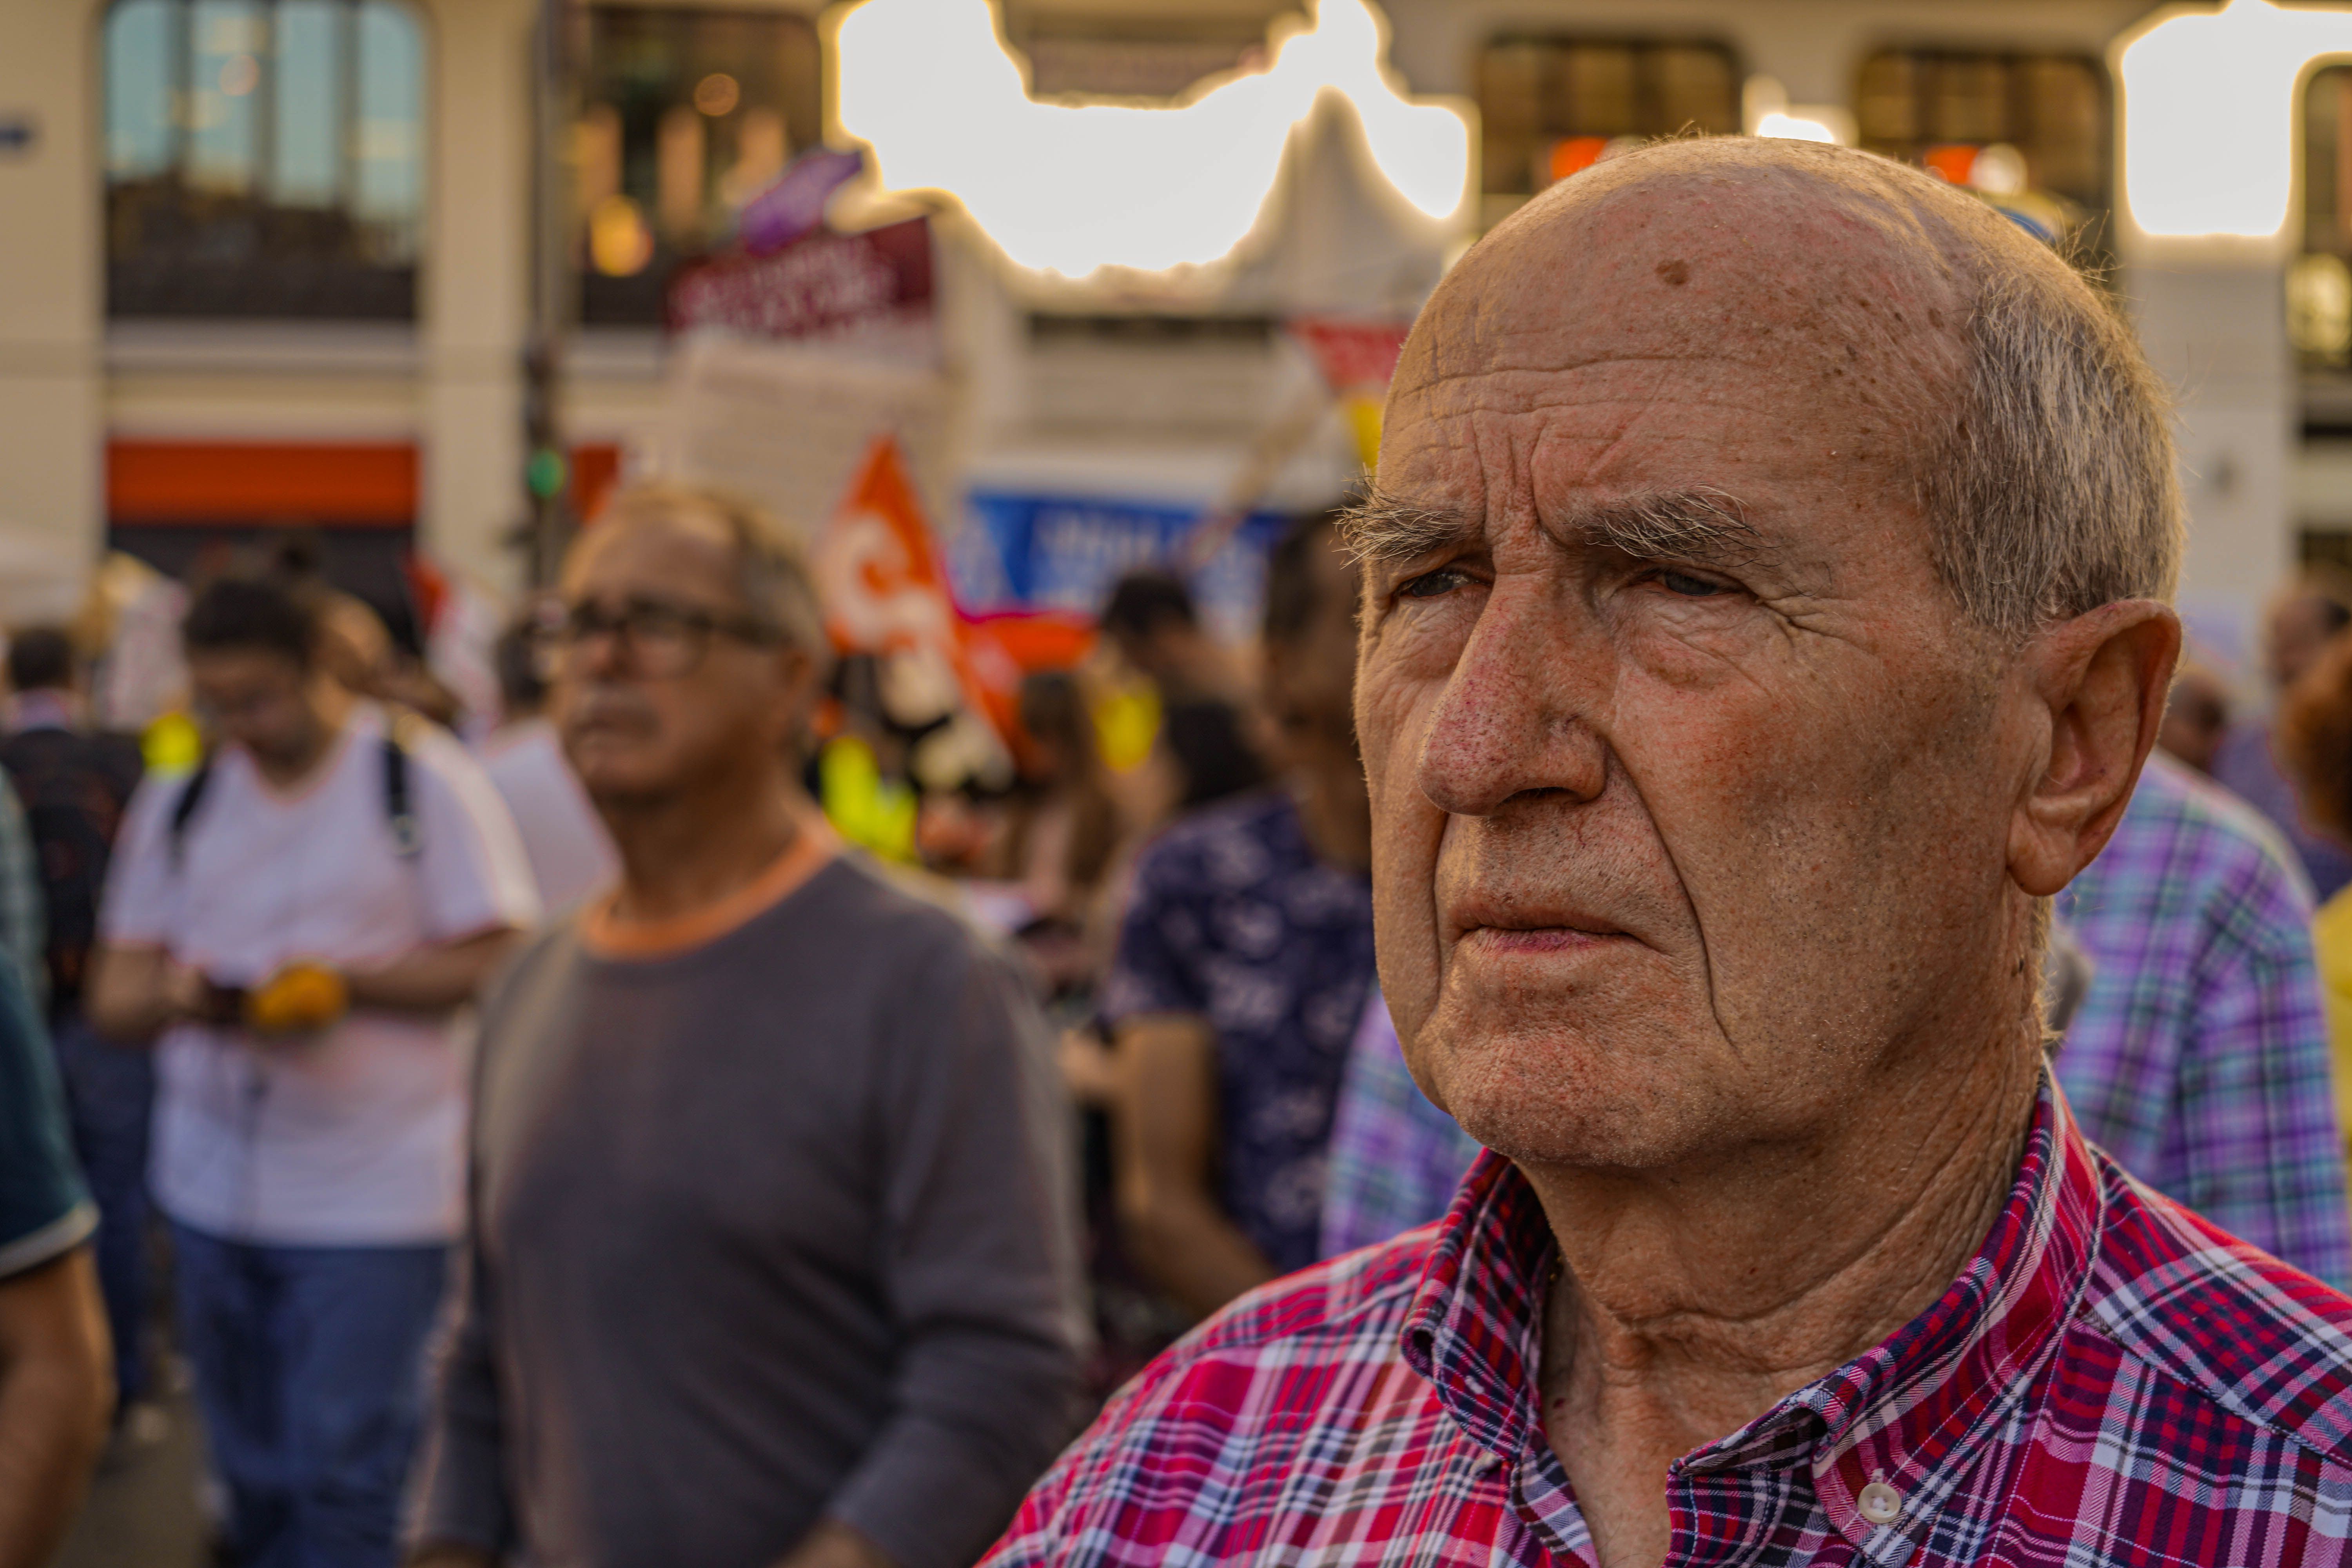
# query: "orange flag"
(885, 589)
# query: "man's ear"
(2095, 688)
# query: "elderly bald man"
(1763, 616)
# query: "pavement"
(144, 1510)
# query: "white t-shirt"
(571, 856)
(355, 1136)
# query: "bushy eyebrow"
(1381, 528)
(1702, 525)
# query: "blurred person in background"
(295, 924)
(75, 783)
(1151, 620)
(2199, 1057)
(55, 1388)
(1244, 962)
(1068, 826)
(2301, 618)
(355, 643)
(2315, 738)
(24, 928)
(1062, 833)
(2196, 718)
(860, 774)
(570, 854)
(772, 1256)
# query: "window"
(264, 158)
(2319, 284)
(685, 115)
(2324, 547)
(1552, 105)
(2032, 131)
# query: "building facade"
(269, 263)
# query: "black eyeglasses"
(656, 639)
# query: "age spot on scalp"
(1676, 273)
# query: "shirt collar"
(1907, 1413)
(42, 709)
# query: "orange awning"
(344, 485)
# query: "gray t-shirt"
(767, 1231)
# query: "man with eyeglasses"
(294, 926)
(770, 1257)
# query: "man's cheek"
(1713, 767)
(1406, 950)
(1390, 715)
(1408, 834)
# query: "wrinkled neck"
(1706, 1294)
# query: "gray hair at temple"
(2055, 488)
(771, 569)
(2047, 476)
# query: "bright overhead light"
(1765, 110)
(1792, 128)
(929, 88)
(2209, 115)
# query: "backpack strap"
(399, 813)
(183, 809)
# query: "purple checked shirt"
(1396, 1158)
(2109, 1381)
(2199, 1057)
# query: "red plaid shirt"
(2111, 1380)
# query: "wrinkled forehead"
(1773, 298)
(667, 553)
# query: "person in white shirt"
(294, 924)
(572, 854)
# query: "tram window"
(2034, 133)
(685, 116)
(2319, 283)
(263, 160)
(1552, 105)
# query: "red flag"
(885, 590)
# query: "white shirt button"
(1881, 1504)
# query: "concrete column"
(475, 305)
(52, 421)
(2215, 328)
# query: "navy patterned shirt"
(1234, 919)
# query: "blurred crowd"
(623, 1104)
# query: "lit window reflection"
(264, 158)
(685, 116)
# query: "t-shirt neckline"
(810, 850)
(328, 765)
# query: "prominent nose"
(1515, 716)
(592, 655)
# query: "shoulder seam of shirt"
(2199, 803)
(53, 1240)
(2128, 1347)
(2189, 1263)
(1248, 1325)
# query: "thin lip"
(1469, 921)
(603, 716)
